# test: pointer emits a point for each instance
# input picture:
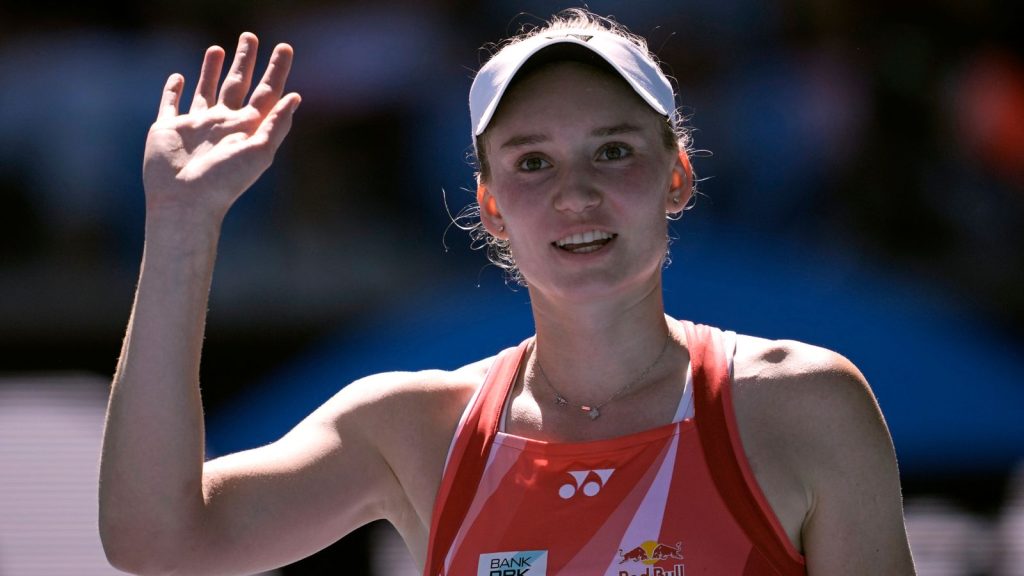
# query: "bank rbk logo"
(516, 563)
(589, 482)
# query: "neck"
(590, 352)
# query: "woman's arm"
(855, 524)
(822, 454)
(196, 165)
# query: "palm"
(210, 155)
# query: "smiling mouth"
(584, 242)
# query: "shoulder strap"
(720, 440)
(468, 457)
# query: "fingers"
(277, 123)
(270, 88)
(209, 77)
(239, 77)
(170, 97)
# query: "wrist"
(185, 227)
(183, 215)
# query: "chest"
(622, 506)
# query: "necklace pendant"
(560, 401)
(591, 411)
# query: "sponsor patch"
(647, 555)
(519, 563)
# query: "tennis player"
(615, 441)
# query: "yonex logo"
(589, 482)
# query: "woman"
(616, 441)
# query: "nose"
(577, 190)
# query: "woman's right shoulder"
(410, 419)
(407, 399)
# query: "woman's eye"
(613, 152)
(532, 164)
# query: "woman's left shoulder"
(812, 408)
(799, 378)
(820, 449)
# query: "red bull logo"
(650, 553)
(677, 570)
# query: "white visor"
(626, 58)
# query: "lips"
(584, 242)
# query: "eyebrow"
(530, 139)
(624, 128)
(524, 140)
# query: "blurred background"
(862, 189)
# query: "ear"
(489, 213)
(681, 188)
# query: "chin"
(594, 285)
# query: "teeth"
(584, 241)
(584, 238)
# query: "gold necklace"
(595, 411)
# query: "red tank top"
(668, 501)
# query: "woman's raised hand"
(198, 163)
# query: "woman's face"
(581, 180)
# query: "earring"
(502, 227)
(675, 199)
